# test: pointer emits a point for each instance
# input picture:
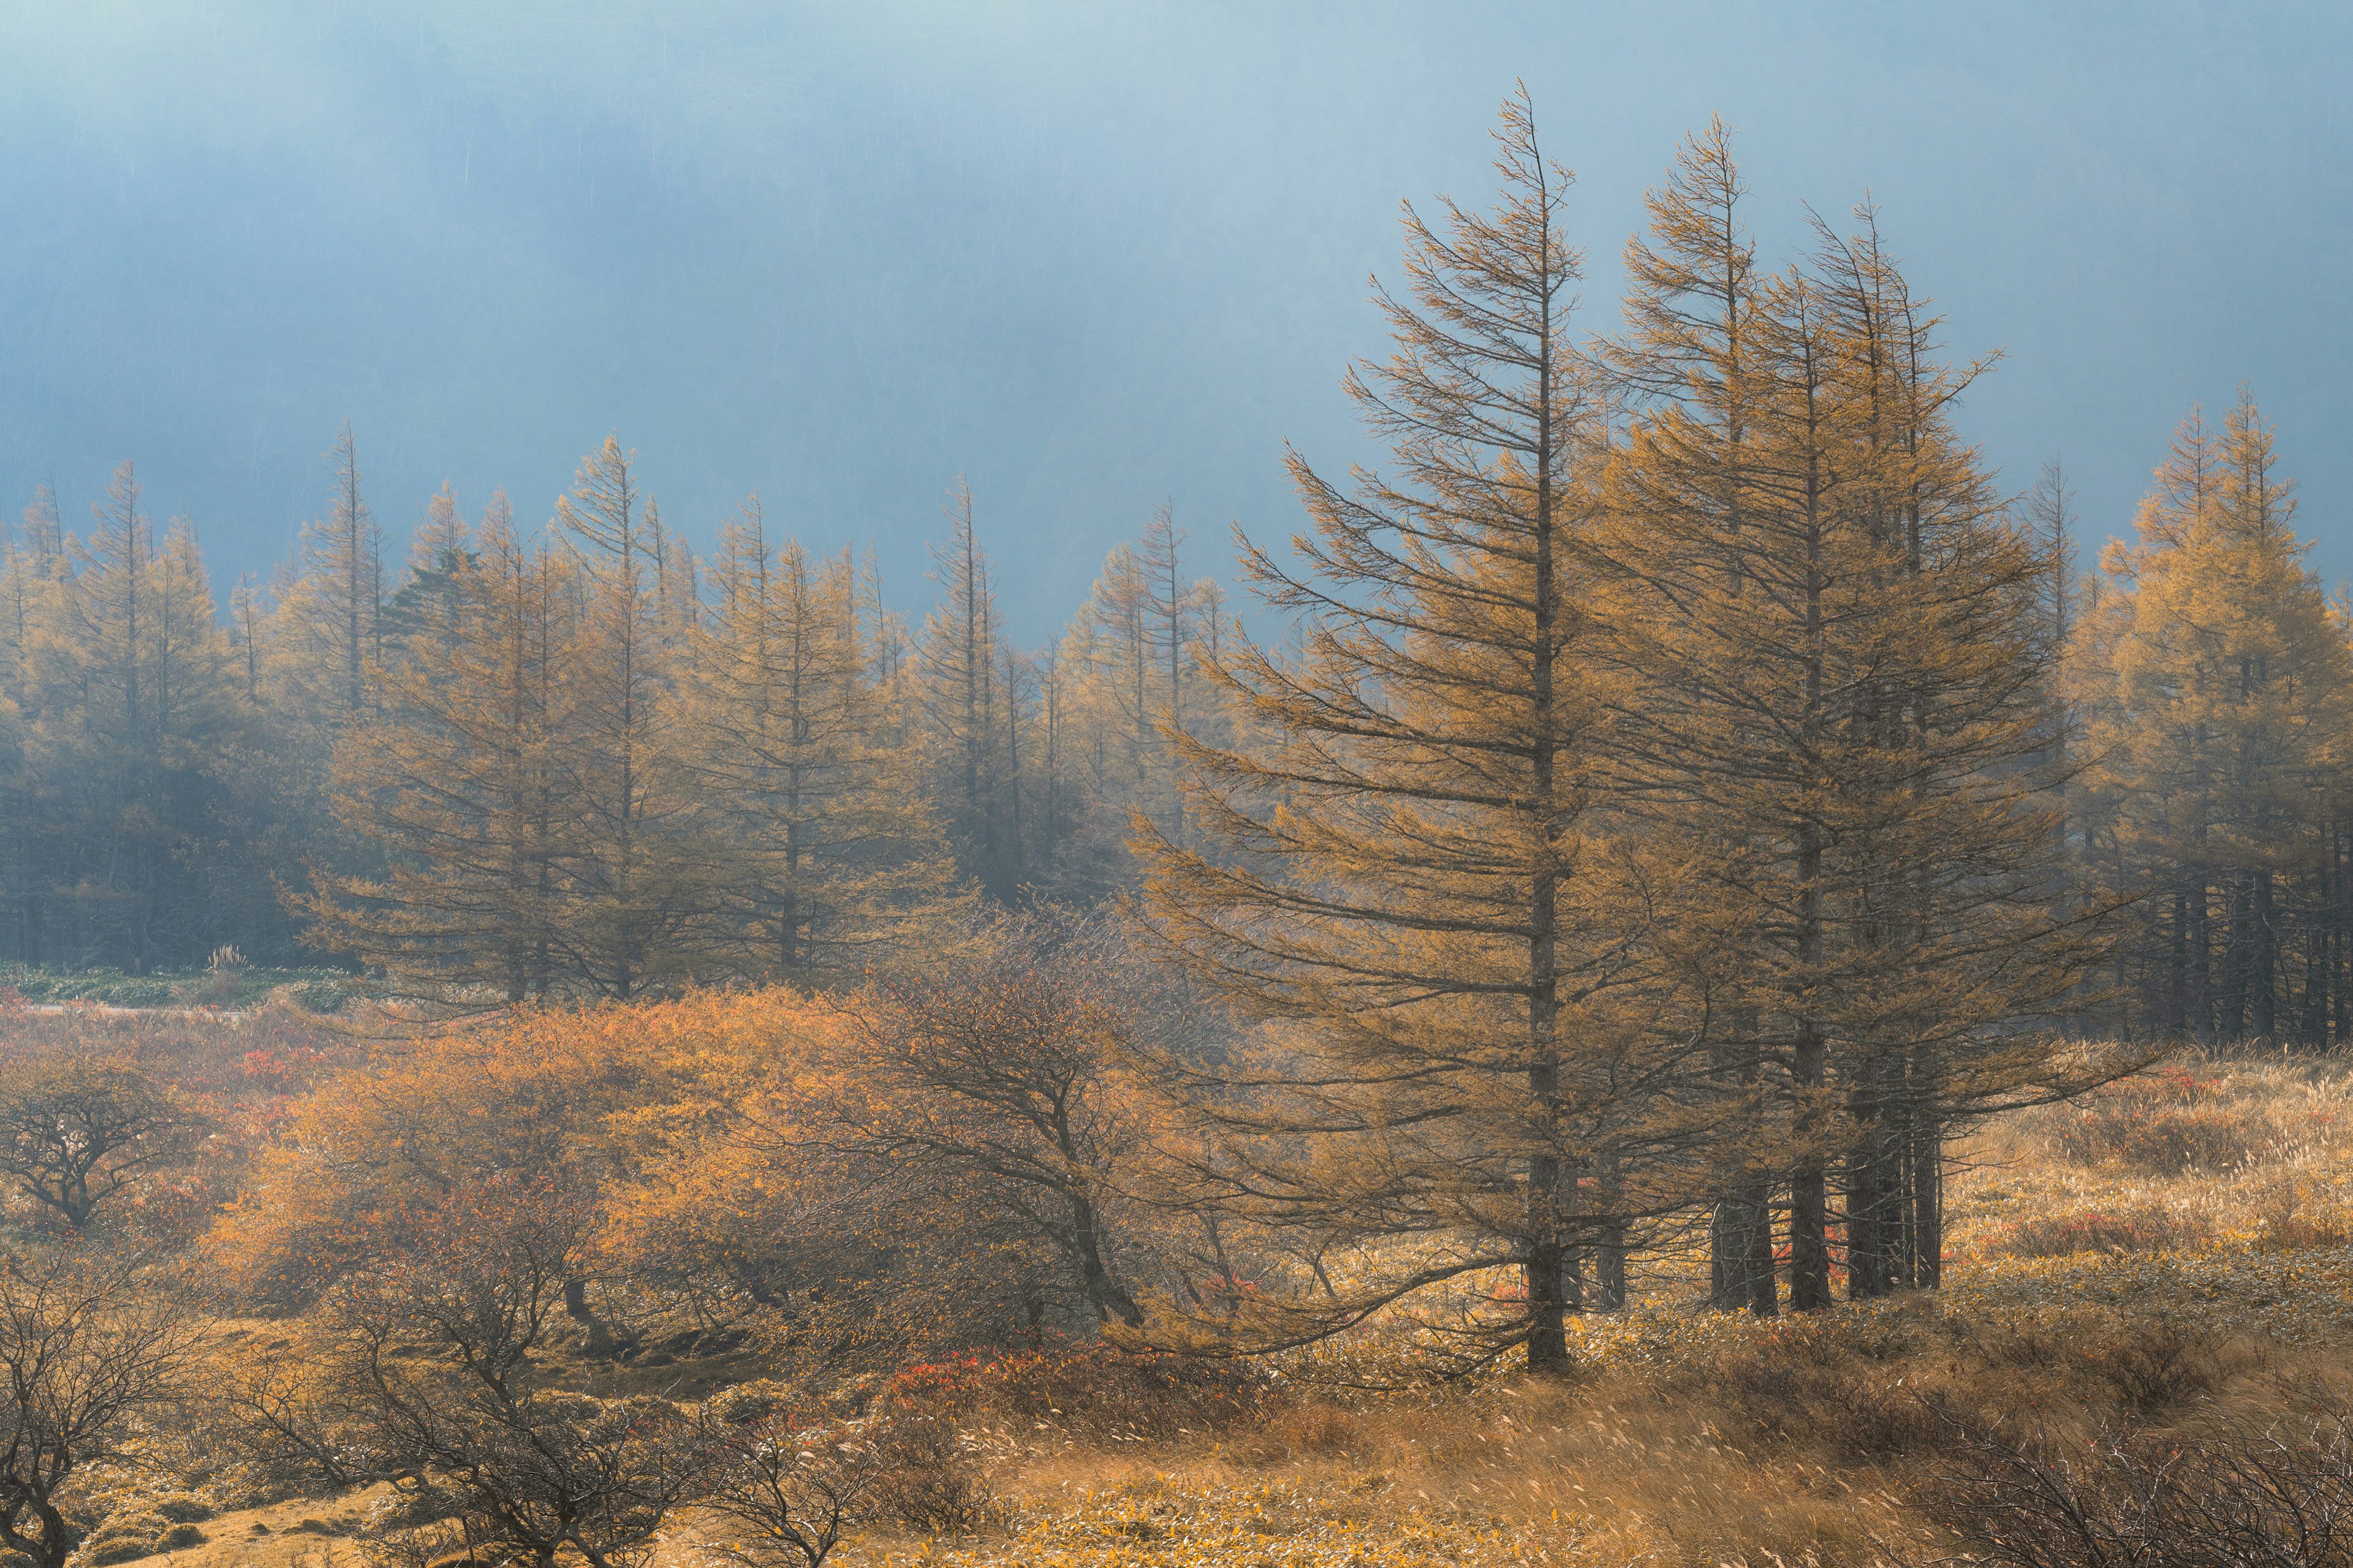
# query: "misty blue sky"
(1093, 256)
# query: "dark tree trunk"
(2263, 960)
(1104, 1293)
(1547, 1280)
(2200, 1013)
(1927, 1204)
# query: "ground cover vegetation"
(802, 1086)
(721, 1277)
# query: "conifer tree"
(1689, 355)
(832, 848)
(457, 785)
(1411, 881)
(23, 592)
(2219, 682)
(443, 537)
(331, 607)
(1845, 698)
(966, 706)
(246, 619)
(636, 894)
(132, 728)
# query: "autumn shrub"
(540, 1094)
(2167, 1121)
(786, 1491)
(928, 1477)
(1085, 1387)
(2148, 1229)
(2156, 1364)
(1826, 1380)
(2295, 1213)
(1856, 1409)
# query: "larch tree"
(436, 552)
(457, 786)
(2222, 680)
(1689, 360)
(635, 893)
(1403, 877)
(833, 849)
(333, 605)
(95, 671)
(1846, 696)
(134, 833)
(1110, 642)
(961, 680)
(133, 726)
(32, 564)
(1126, 670)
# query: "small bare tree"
(281, 1406)
(76, 1129)
(789, 1493)
(434, 1369)
(86, 1343)
(1002, 1065)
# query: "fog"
(1090, 257)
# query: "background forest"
(1690, 821)
(580, 760)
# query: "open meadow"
(2160, 1267)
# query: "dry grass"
(1697, 1444)
(2149, 1259)
(2101, 1278)
(2228, 1157)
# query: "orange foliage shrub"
(206, 1066)
(755, 1167)
(555, 1092)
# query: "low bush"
(2228, 1492)
(1084, 1387)
(2156, 1365)
(927, 1476)
(2294, 1213)
(2138, 1230)
(2166, 1122)
(1856, 1410)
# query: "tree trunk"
(2202, 991)
(1105, 1294)
(1546, 1272)
(2177, 968)
(1927, 1204)
(1867, 1272)
(1609, 1252)
(2263, 960)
